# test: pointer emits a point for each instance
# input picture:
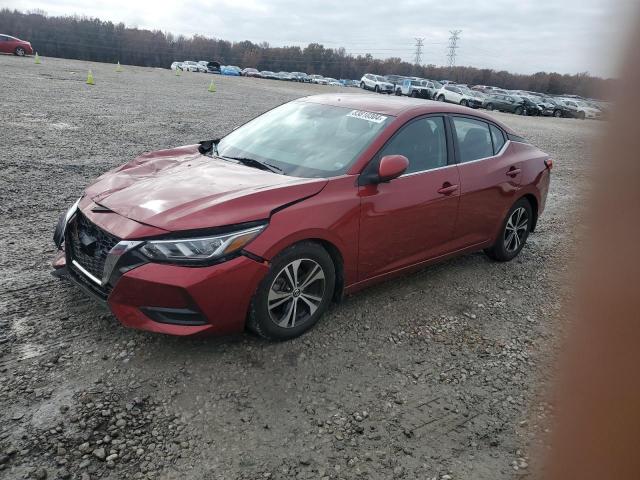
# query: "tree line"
(96, 40)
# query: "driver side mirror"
(392, 166)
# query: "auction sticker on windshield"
(371, 117)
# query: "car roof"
(395, 105)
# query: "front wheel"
(441, 98)
(20, 51)
(514, 233)
(518, 111)
(294, 294)
(463, 103)
(581, 115)
(557, 113)
(376, 89)
(489, 106)
(363, 86)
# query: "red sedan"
(9, 44)
(310, 201)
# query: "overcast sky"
(523, 36)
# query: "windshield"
(305, 139)
(380, 79)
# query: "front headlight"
(200, 250)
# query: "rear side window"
(422, 141)
(474, 139)
(497, 137)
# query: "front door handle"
(448, 189)
(513, 171)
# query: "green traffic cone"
(212, 87)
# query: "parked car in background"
(250, 72)
(191, 66)
(315, 78)
(529, 107)
(377, 83)
(299, 77)
(284, 76)
(176, 66)
(581, 110)
(560, 110)
(264, 228)
(505, 103)
(454, 94)
(269, 74)
(414, 88)
(396, 81)
(9, 44)
(546, 107)
(231, 70)
(333, 82)
(212, 67)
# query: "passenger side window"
(422, 141)
(474, 139)
(498, 139)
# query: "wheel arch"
(533, 201)
(320, 237)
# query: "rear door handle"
(448, 189)
(513, 171)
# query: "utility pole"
(453, 45)
(418, 54)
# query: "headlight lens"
(199, 250)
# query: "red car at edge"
(315, 199)
(9, 44)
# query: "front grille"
(88, 244)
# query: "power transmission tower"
(453, 45)
(419, 45)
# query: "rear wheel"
(557, 113)
(414, 94)
(20, 51)
(489, 106)
(294, 294)
(376, 89)
(581, 115)
(363, 86)
(440, 98)
(514, 233)
(518, 111)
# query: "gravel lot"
(441, 374)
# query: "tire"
(363, 86)
(489, 106)
(398, 92)
(280, 309)
(557, 113)
(414, 94)
(20, 52)
(518, 110)
(376, 89)
(463, 103)
(440, 98)
(581, 115)
(508, 245)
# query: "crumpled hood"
(181, 189)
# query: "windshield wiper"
(252, 162)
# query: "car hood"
(181, 189)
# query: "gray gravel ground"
(441, 374)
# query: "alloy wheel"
(516, 229)
(296, 292)
(20, 52)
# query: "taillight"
(548, 163)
